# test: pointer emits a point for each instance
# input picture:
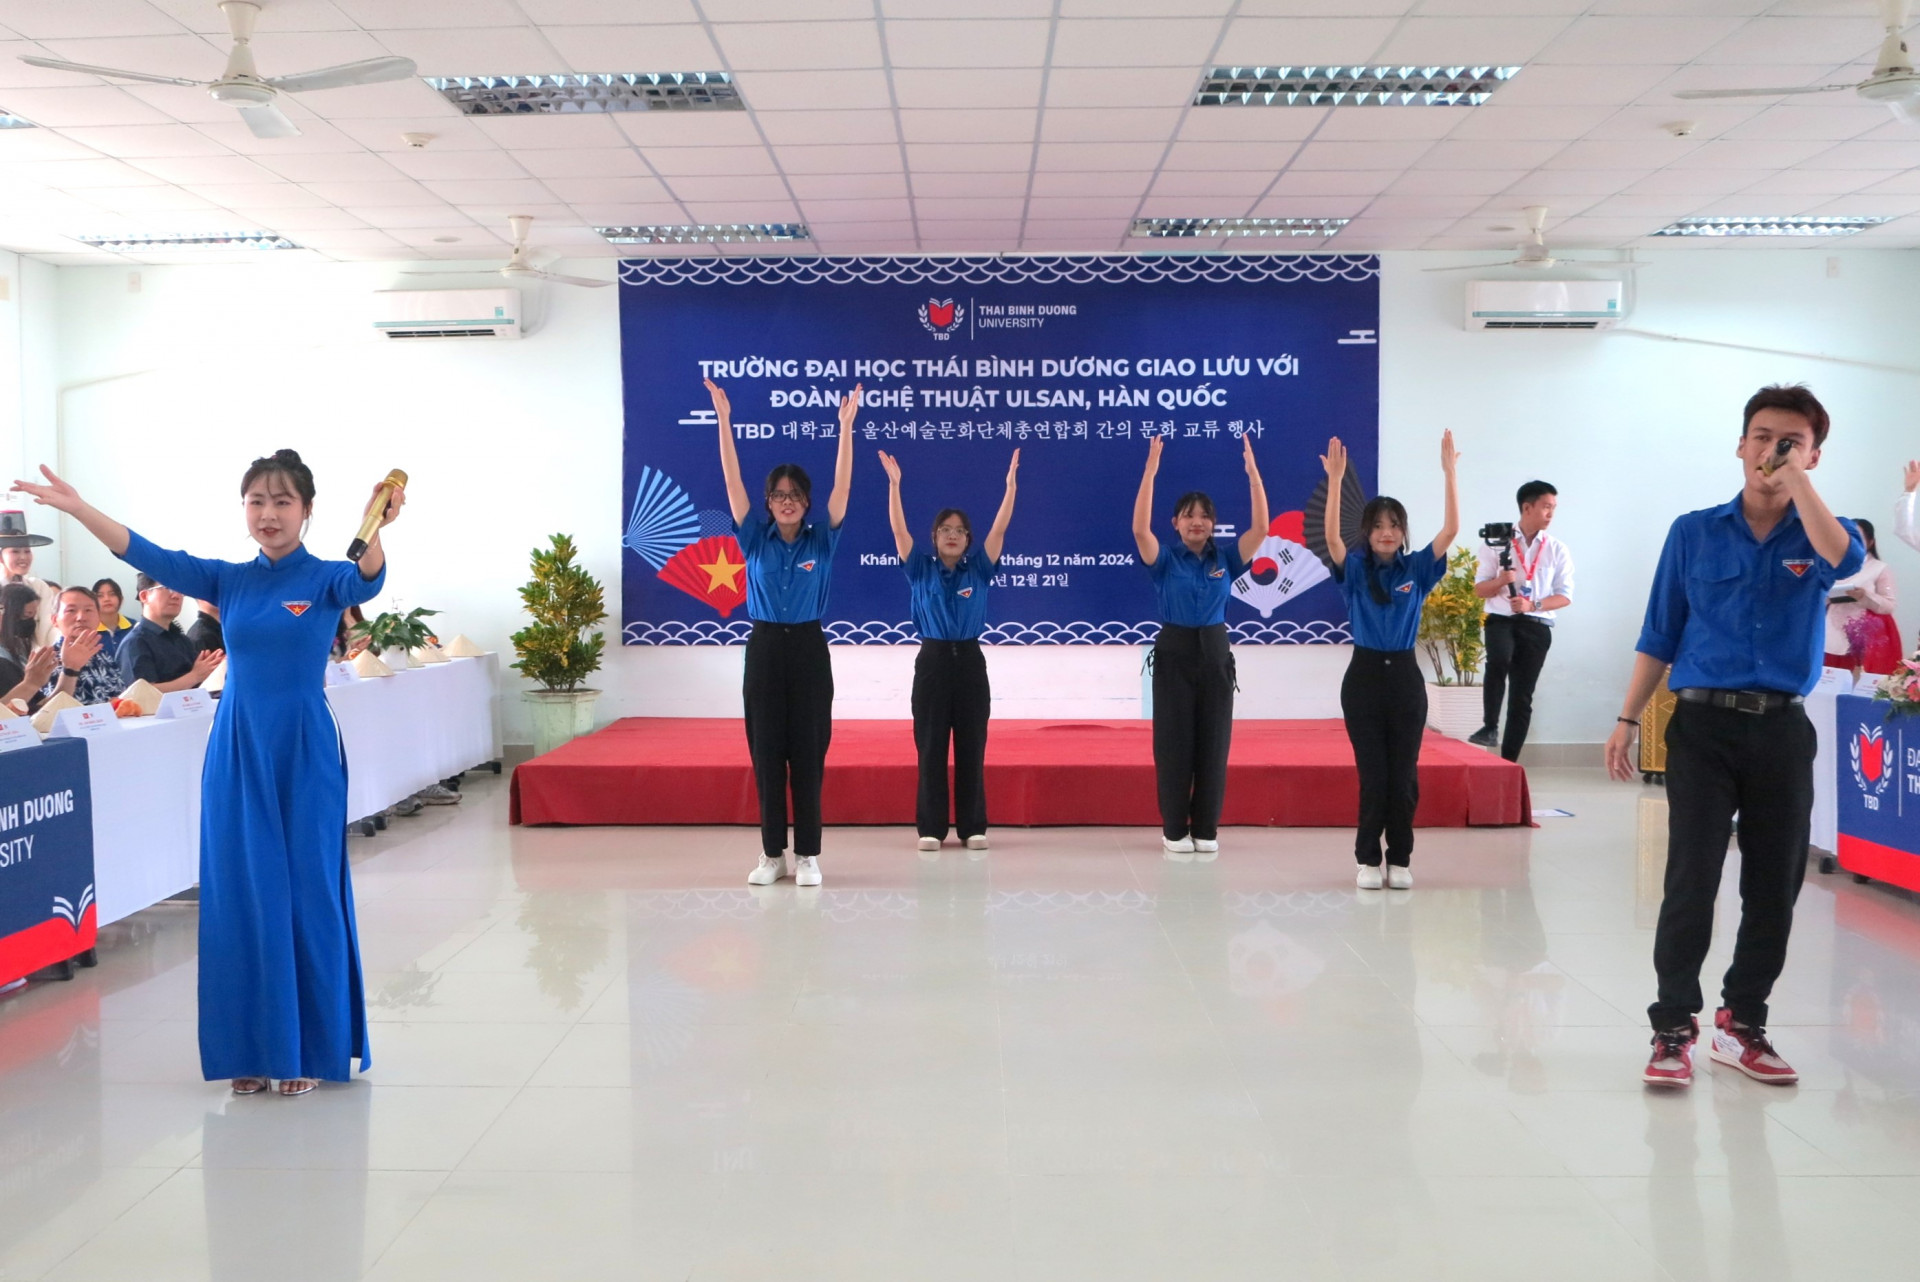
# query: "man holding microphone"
(1737, 608)
(1521, 605)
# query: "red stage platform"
(1281, 774)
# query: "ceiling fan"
(518, 266)
(1534, 253)
(1893, 84)
(243, 86)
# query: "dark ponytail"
(285, 463)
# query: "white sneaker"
(929, 843)
(1399, 878)
(769, 870)
(806, 870)
(1184, 846)
(977, 842)
(1368, 878)
(1204, 847)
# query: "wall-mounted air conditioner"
(447, 313)
(1544, 304)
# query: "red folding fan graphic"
(711, 570)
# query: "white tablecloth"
(402, 733)
(1822, 706)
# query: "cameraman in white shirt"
(1522, 602)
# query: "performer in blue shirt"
(280, 983)
(1193, 670)
(788, 689)
(951, 697)
(1383, 697)
(1738, 609)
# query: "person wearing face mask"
(16, 566)
(951, 696)
(788, 685)
(1383, 697)
(1192, 659)
(281, 997)
(24, 667)
(158, 650)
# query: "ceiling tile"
(262, 195)
(829, 126)
(315, 136)
(675, 161)
(416, 221)
(1134, 42)
(1456, 182)
(489, 192)
(1065, 156)
(1266, 158)
(977, 125)
(179, 102)
(1228, 124)
(863, 158)
(629, 47)
(1565, 185)
(141, 199)
(191, 170)
(1809, 181)
(384, 133)
(38, 21)
(483, 51)
(300, 218)
(1051, 183)
(1081, 207)
(1199, 182)
(1504, 40)
(817, 90)
(1309, 207)
(769, 10)
(621, 214)
(431, 13)
(852, 211)
(1900, 184)
(494, 213)
(278, 16)
(966, 43)
(1454, 153)
(354, 194)
(970, 207)
(1335, 182)
(1825, 124)
(1743, 153)
(66, 175)
(583, 162)
(1538, 85)
(1131, 87)
(330, 167)
(743, 211)
(775, 45)
(1696, 182)
(1110, 124)
(946, 230)
(191, 56)
(978, 186)
(711, 188)
(934, 157)
(552, 131)
(1629, 39)
(130, 142)
(696, 128)
(1836, 38)
(1362, 155)
(1269, 42)
(1498, 120)
(847, 186)
(877, 227)
(1901, 155)
(95, 104)
(429, 163)
(610, 191)
(1385, 124)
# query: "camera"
(1499, 534)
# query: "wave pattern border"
(879, 632)
(983, 269)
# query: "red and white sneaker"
(1746, 1048)
(1672, 1062)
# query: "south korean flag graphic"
(1282, 567)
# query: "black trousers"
(1384, 699)
(789, 699)
(1193, 674)
(951, 702)
(1516, 649)
(1721, 762)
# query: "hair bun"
(289, 457)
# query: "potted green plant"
(554, 651)
(1451, 635)
(391, 635)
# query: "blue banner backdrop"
(1076, 361)
(46, 856)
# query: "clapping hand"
(205, 662)
(77, 651)
(40, 665)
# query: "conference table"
(401, 733)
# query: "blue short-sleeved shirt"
(1193, 588)
(949, 605)
(1408, 578)
(1732, 612)
(786, 582)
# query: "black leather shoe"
(1484, 737)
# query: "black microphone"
(1781, 449)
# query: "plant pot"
(395, 657)
(559, 716)
(1456, 711)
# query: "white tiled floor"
(598, 1053)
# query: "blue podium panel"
(1075, 361)
(1878, 781)
(46, 857)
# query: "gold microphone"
(396, 479)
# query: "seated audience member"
(86, 671)
(158, 650)
(345, 644)
(16, 566)
(205, 631)
(114, 625)
(24, 667)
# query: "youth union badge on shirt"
(1799, 565)
(297, 608)
(808, 566)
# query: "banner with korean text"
(1075, 361)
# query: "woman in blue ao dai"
(280, 983)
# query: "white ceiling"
(964, 125)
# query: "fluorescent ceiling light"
(1350, 86)
(566, 95)
(1771, 226)
(136, 241)
(704, 233)
(1185, 227)
(10, 121)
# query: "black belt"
(1754, 701)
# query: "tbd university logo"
(941, 316)
(1872, 764)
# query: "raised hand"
(1246, 454)
(1154, 446)
(1448, 455)
(849, 406)
(1335, 459)
(1013, 469)
(395, 501)
(891, 466)
(721, 405)
(56, 493)
(77, 652)
(1913, 475)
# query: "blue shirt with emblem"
(1408, 578)
(786, 582)
(1732, 612)
(949, 605)
(1193, 587)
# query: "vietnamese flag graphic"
(711, 570)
